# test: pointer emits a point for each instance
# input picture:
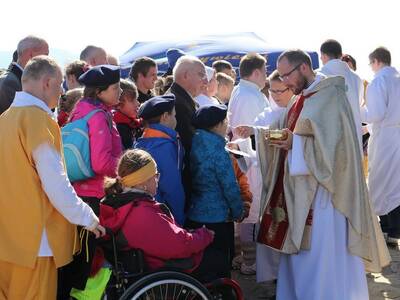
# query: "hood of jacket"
(114, 209)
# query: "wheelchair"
(131, 280)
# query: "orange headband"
(141, 175)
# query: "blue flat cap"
(173, 55)
(208, 116)
(156, 106)
(102, 75)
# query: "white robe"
(327, 271)
(246, 103)
(354, 89)
(382, 113)
(267, 259)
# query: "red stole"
(274, 223)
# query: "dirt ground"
(382, 286)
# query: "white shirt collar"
(387, 70)
(16, 64)
(23, 99)
(318, 78)
(250, 84)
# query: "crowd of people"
(264, 173)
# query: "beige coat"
(334, 160)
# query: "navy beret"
(156, 106)
(173, 55)
(209, 116)
(102, 75)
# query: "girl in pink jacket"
(102, 91)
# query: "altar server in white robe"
(281, 96)
(314, 200)
(331, 53)
(267, 259)
(382, 113)
(246, 103)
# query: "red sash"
(274, 223)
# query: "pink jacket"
(105, 147)
(148, 227)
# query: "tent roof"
(230, 47)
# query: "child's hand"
(232, 146)
(246, 209)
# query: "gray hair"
(184, 64)
(40, 66)
(88, 52)
(30, 42)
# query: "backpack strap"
(89, 115)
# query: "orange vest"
(25, 210)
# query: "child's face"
(129, 106)
(225, 92)
(110, 96)
(221, 128)
(169, 119)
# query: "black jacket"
(185, 108)
(142, 97)
(10, 83)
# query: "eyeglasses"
(278, 92)
(203, 76)
(286, 76)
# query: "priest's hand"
(243, 131)
(283, 144)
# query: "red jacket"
(147, 225)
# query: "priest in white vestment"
(314, 203)
(331, 53)
(382, 113)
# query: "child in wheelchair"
(137, 221)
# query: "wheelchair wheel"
(166, 286)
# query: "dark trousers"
(390, 223)
(217, 258)
(76, 273)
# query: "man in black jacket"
(189, 77)
(10, 81)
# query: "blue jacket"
(215, 191)
(164, 146)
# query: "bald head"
(94, 55)
(30, 47)
(42, 78)
(189, 72)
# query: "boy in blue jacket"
(162, 142)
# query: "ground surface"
(382, 286)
